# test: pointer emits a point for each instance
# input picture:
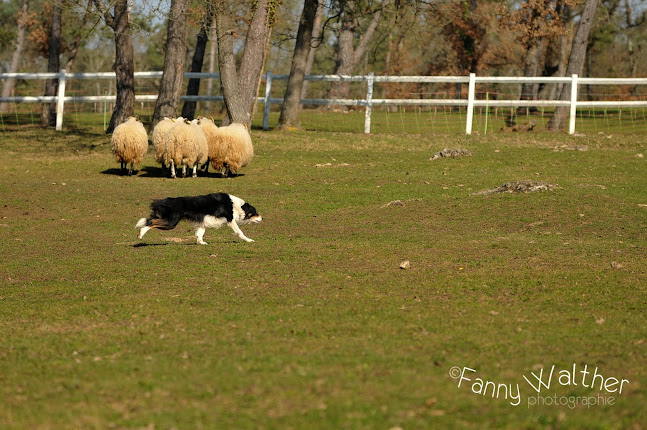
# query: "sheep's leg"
(199, 233)
(123, 167)
(172, 169)
(132, 167)
(238, 232)
(206, 167)
(183, 170)
(195, 170)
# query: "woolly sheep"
(231, 149)
(216, 150)
(159, 137)
(129, 143)
(186, 145)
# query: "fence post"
(573, 114)
(470, 103)
(369, 102)
(266, 106)
(60, 100)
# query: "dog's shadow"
(142, 244)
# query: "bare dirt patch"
(519, 187)
(451, 153)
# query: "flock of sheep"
(180, 142)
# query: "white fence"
(368, 102)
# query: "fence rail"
(368, 102)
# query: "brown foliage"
(536, 18)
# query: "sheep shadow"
(159, 172)
(144, 172)
(116, 171)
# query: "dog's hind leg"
(238, 232)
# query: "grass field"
(314, 325)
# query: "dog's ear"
(250, 211)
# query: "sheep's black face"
(251, 216)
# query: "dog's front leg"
(238, 232)
(199, 233)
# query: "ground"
(315, 325)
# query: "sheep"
(159, 137)
(216, 151)
(231, 148)
(129, 143)
(186, 145)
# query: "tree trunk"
(575, 60)
(124, 61)
(10, 83)
(236, 111)
(292, 98)
(348, 58)
(212, 60)
(193, 88)
(48, 114)
(344, 61)
(316, 36)
(531, 69)
(253, 59)
(173, 74)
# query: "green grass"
(416, 120)
(314, 325)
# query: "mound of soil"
(519, 187)
(451, 153)
(529, 126)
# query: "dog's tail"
(141, 223)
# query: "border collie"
(208, 211)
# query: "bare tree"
(253, 58)
(292, 99)
(48, 113)
(10, 83)
(124, 64)
(236, 111)
(78, 37)
(173, 74)
(575, 60)
(316, 41)
(212, 59)
(349, 56)
(193, 88)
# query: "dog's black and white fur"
(208, 211)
